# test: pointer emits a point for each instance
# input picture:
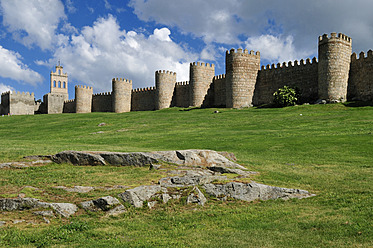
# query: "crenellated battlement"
(222, 76)
(123, 80)
(201, 64)
(182, 83)
(165, 72)
(243, 52)
(102, 94)
(83, 87)
(291, 64)
(334, 37)
(362, 56)
(18, 94)
(69, 101)
(148, 89)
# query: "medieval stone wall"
(164, 84)
(303, 75)
(219, 91)
(69, 106)
(201, 76)
(83, 99)
(181, 95)
(121, 98)
(334, 66)
(102, 102)
(241, 75)
(53, 103)
(360, 83)
(143, 99)
(17, 103)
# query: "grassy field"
(325, 149)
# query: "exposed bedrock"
(181, 157)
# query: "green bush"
(285, 96)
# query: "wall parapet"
(147, 89)
(182, 83)
(242, 51)
(83, 87)
(334, 37)
(122, 80)
(102, 94)
(202, 64)
(290, 64)
(222, 76)
(362, 56)
(165, 72)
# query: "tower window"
(64, 85)
(54, 83)
(59, 84)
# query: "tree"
(285, 96)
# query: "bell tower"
(59, 82)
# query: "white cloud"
(5, 88)
(104, 51)
(33, 22)
(12, 67)
(275, 49)
(233, 22)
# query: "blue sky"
(96, 40)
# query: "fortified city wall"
(360, 82)
(336, 76)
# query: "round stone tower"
(334, 66)
(201, 76)
(83, 99)
(164, 84)
(121, 95)
(241, 74)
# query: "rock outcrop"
(181, 157)
(253, 191)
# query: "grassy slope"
(326, 149)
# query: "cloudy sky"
(96, 40)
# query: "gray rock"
(101, 124)
(196, 197)
(76, 189)
(106, 203)
(5, 165)
(222, 169)
(189, 180)
(78, 158)
(116, 210)
(128, 159)
(166, 198)
(253, 191)
(47, 213)
(18, 221)
(2, 223)
(89, 206)
(21, 204)
(64, 209)
(152, 204)
(138, 195)
(46, 220)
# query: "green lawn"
(325, 149)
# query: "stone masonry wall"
(53, 103)
(121, 97)
(360, 83)
(334, 66)
(241, 75)
(83, 99)
(143, 99)
(303, 75)
(102, 102)
(181, 95)
(69, 106)
(219, 91)
(164, 84)
(201, 76)
(17, 103)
